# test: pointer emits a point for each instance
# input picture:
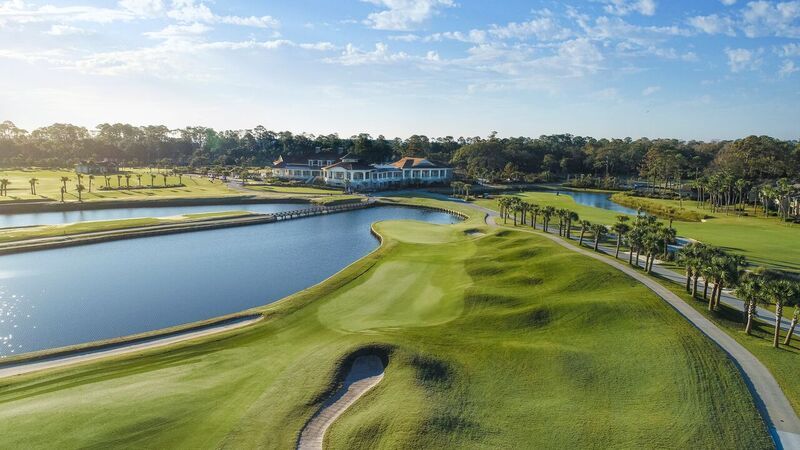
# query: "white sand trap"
(366, 373)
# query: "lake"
(57, 218)
(598, 200)
(73, 295)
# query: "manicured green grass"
(764, 241)
(338, 200)
(783, 363)
(49, 186)
(45, 231)
(295, 190)
(503, 341)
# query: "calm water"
(53, 218)
(72, 295)
(598, 200)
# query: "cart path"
(366, 373)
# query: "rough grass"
(582, 357)
(658, 209)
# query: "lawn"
(784, 363)
(46, 231)
(764, 241)
(300, 190)
(49, 186)
(501, 341)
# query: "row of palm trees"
(461, 188)
(722, 191)
(645, 236)
(719, 269)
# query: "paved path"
(366, 373)
(24, 367)
(775, 407)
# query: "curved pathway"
(775, 407)
(136, 345)
(366, 373)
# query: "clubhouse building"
(349, 172)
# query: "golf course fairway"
(493, 340)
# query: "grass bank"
(764, 241)
(74, 229)
(662, 210)
(783, 363)
(499, 341)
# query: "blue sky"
(712, 69)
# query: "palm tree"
(4, 186)
(599, 232)
(64, 182)
(793, 300)
(571, 216)
(667, 236)
(749, 291)
(33, 182)
(503, 202)
(152, 179)
(91, 180)
(585, 225)
(562, 217)
(119, 181)
(547, 214)
(80, 189)
(621, 229)
(108, 181)
(63, 190)
(778, 291)
(535, 211)
(164, 176)
(128, 180)
(139, 178)
(180, 177)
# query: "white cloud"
(728, 2)
(188, 11)
(405, 37)
(740, 59)
(67, 30)
(789, 50)
(142, 7)
(404, 14)
(173, 31)
(543, 28)
(17, 11)
(788, 68)
(713, 24)
(650, 90)
(763, 18)
(625, 7)
(353, 56)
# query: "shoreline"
(26, 207)
(66, 356)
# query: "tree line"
(667, 162)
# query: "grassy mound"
(658, 209)
(502, 341)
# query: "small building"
(97, 168)
(302, 167)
